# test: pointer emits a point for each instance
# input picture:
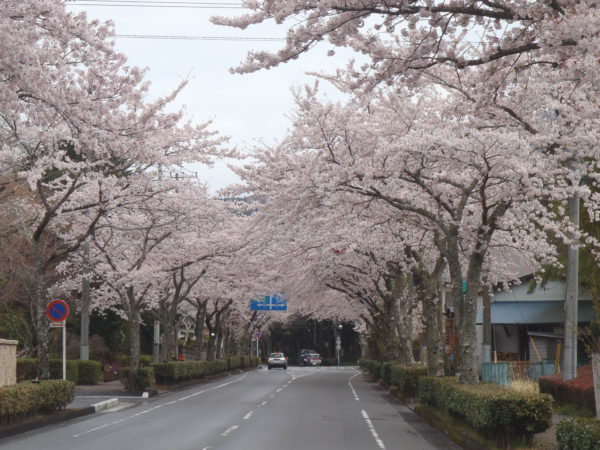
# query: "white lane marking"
(378, 441)
(162, 404)
(279, 390)
(247, 416)
(264, 403)
(229, 430)
(352, 387)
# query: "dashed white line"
(378, 441)
(229, 430)
(247, 416)
(264, 403)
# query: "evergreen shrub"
(578, 434)
(177, 371)
(145, 378)
(372, 366)
(19, 401)
(385, 372)
(406, 379)
(494, 411)
(89, 372)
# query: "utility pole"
(571, 297)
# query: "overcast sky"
(249, 108)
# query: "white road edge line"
(352, 387)
(372, 430)
(229, 430)
(163, 404)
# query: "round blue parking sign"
(57, 310)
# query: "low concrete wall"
(8, 362)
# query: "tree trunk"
(402, 293)
(200, 320)
(465, 313)
(41, 320)
(134, 349)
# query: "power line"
(198, 38)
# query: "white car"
(277, 359)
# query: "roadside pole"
(64, 349)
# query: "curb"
(106, 404)
(42, 421)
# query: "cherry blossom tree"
(74, 120)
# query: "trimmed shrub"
(578, 434)
(89, 372)
(385, 372)
(22, 400)
(176, 371)
(235, 362)
(254, 361)
(579, 391)
(371, 366)
(27, 369)
(78, 371)
(145, 360)
(56, 371)
(493, 411)
(406, 379)
(145, 378)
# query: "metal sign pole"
(64, 349)
(257, 347)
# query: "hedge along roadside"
(578, 434)
(495, 412)
(79, 371)
(178, 371)
(22, 400)
(403, 380)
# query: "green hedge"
(496, 412)
(385, 372)
(406, 379)
(176, 371)
(78, 371)
(19, 401)
(89, 372)
(234, 362)
(373, 367)
(578, 434)
(145, 378)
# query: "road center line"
(229, 430)
(378, 441)
(247, 416)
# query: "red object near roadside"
(181, 357)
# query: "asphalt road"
(296, 409)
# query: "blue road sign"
(269, 303)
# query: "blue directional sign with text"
(269, 303)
